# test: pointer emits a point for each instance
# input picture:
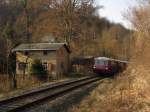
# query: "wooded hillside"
(75, 22)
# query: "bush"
(37, 69)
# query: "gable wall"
(62, 61)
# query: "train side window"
(106, 63)
(96, 62)
(101, 62)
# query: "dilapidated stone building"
(54, 57)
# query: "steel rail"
(60, 84)
(42, 95)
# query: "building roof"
(40, 46)
(82, 60)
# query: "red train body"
(104, 66)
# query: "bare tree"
(140, 19)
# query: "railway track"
(21, 102)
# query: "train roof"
(106, 58)
(102, 58)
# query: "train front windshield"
(101, 62)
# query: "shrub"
(37, 69)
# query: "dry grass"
(4, 83)
(22, 81)
(129, 92)
(25, 83)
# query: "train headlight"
(106, 68)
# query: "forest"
(75, 22)
(79, 24)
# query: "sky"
(115, 9)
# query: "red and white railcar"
(104, 65)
